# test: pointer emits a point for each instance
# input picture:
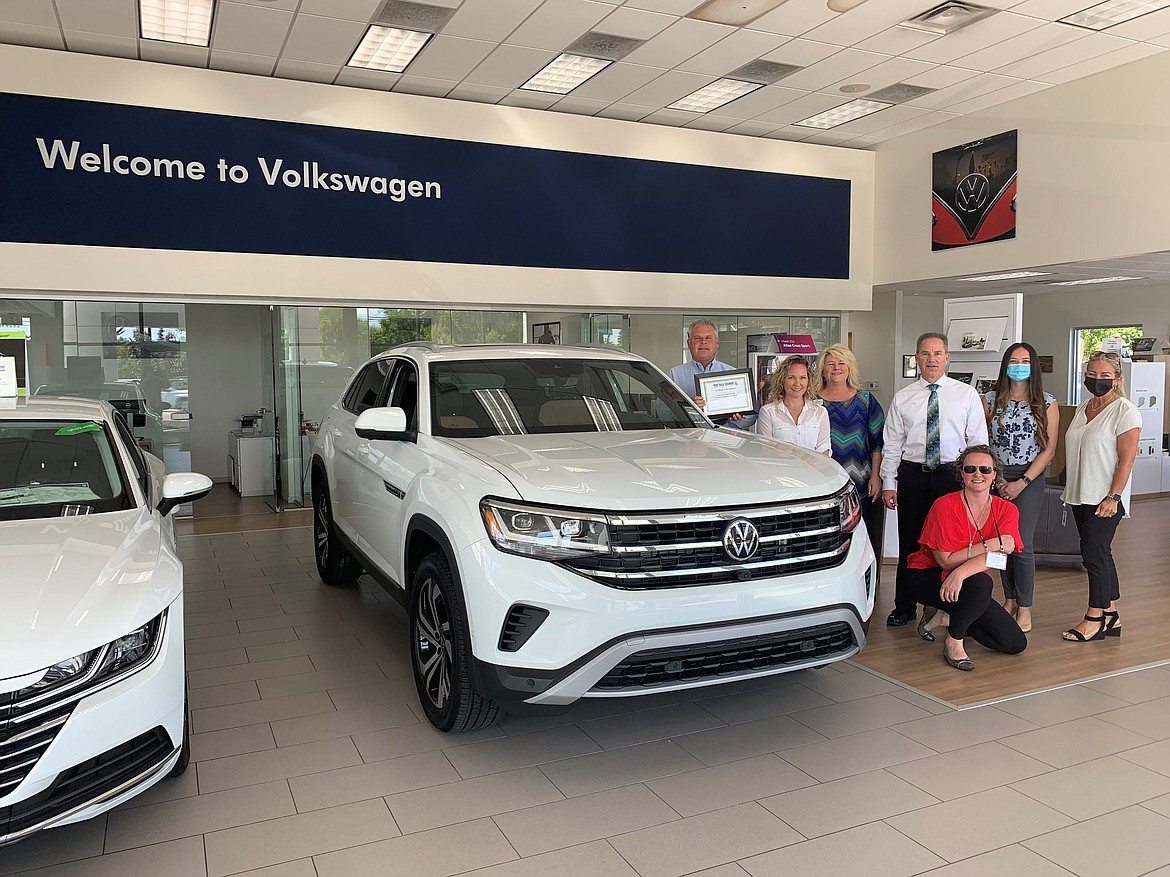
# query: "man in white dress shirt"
(928, 424)
(703, 343)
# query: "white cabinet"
(251, 463)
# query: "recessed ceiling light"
(718, 93)
(843, 5)
(176, 21)
(948, 17)
(1112, 12)
(565, 73)
(388, 48)
(855, 109)
(854, 88)
(1089, 280)
(1013, 275)
(737, 13)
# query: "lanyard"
(979, 530)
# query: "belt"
(923, 467)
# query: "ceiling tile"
(363, 77)
(761, 101)
(865, 141)
(287, 5)
(1155, 24)
(616, 81)
(239, 62)
(307, 71)
(668, 88)
(802, 53)
(864, 21)
(557, 23)
(675, 118)
(883, 119)
(886, 73)
(423, 85)
(1040, 39)
(840, 66)
(451, 58)
(802, 108)
(322, 40)
(484, 94)
(736, 49)
(534, 100)
(488, 19)
(999, 27)
(1051, 9)
(999, 96)
(1090, 46)
(827, 138)
(712, 122)
(896, 41)
(942, 77)
(252, 30)
(795, 17)
(31, 35)
(35, 12)
(510, 66)
(980, 84)
(671, 7)
(787, 132)
(628, 112)
(1134, 52)
(173, 53)
(579, 106)
(118, 17)
(350, 10)
(683, 39)
(102, 44)
(635, 23)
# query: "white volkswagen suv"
(92, 689)
(563, 523)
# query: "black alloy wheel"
(335, 565)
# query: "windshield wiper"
(9, 492)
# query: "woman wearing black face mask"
(1100, 445)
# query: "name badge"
(996, 560)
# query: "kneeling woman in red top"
(967, 533)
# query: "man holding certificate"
(703, 343)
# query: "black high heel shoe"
(1072, 635)
(928, 612)
(1112, 627)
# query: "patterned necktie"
(933, 449)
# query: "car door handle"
(335, 432)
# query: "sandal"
(1113, 624)
(928, 612)
(1073, 635)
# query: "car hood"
(72, 584)
(657, 469)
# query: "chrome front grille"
(687, 549)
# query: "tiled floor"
(310, 760)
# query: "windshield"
(539, 395)
(55, 468)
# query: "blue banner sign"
(95, 174)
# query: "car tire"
(335, 565)
(180, 766)
(440, 651)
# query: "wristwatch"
(1116, 497)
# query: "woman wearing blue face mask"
(1022, 422)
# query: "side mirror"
(181, 487)
(383, 424)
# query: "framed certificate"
(728, 392)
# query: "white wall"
(1092, 173)
(224, 363)
(76, 271)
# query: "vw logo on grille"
(973, 192)
(741, 539)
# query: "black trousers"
(874, 515)
(917, 491)
(974, 614)
(1097, 553)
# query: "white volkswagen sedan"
(92, 686)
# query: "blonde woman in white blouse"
(1100, 446)
(794, 415)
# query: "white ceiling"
(488, 48)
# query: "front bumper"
(114, 745)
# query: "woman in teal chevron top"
(855, 432)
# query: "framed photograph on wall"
(546, 333)
(909, 366)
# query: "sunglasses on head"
(983, 470)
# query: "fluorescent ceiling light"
(388, 48)
(718, 93)
(176, 21)
(1014, 275)
(736, 13)
(1089, 280)
(1112, 12)
(565, 73)
(855, 109)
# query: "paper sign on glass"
(728, 392)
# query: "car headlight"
(850, 504)
(115, 657)
(549, 534)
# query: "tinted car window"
(404, 392)
(367, 387)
